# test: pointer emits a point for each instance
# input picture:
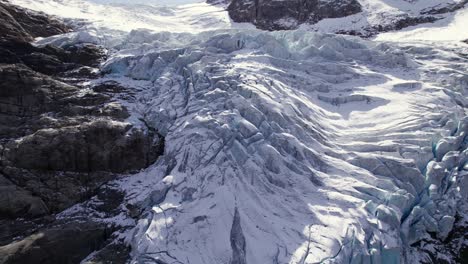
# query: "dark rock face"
(49, 60)
(116, 253)
(100, 145)
(21, 24)
(289, 14)
(26, 93)
(276, 15)
(68, 243)
(61, 141)
(405, 21)
(445, 9)
(451, 250)
(69, 143)
(17, 202)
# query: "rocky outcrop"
(276, 15)
(49, 60)
(61, 140)
(66, 165)
(69, 243)
(101, 145)
(21, 24)
(26, 93)
(289, 14)
(17, 202)
(442, 9)
(115, 253)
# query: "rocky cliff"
(274, 15)
(61, 140)
(354, 17)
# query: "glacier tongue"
(294, 147)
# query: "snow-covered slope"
(284, 147)
(452, 28)
(126, 15)
(197, 16)
(355, 17)
(392, 15)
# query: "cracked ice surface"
(295, 147)
(285, 147)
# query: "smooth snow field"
(284, 147)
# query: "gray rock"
(101, 145)
(69, 243)
(276, 15)
(25, 93)
(58, 190)
(114, 253)
(44, 63)
(85, 54)
(60, 142)
(17, 202)
(66, 165)
(22, 24)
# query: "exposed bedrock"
(275, 15)
(101, 145)
(289, 14)
(22, 24)
(16, 201)
(49, 60)
(66, 165)
(61, 140)
(68, 243)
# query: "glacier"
(290, 146)
(259, 168)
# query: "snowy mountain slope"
(125, 17)
(356, 17)
(384, 15)
(285, 147)
(379, 16)
(449, 28)
(376, 15)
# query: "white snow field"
(284, 147)
(109, 19)
(452, 28)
